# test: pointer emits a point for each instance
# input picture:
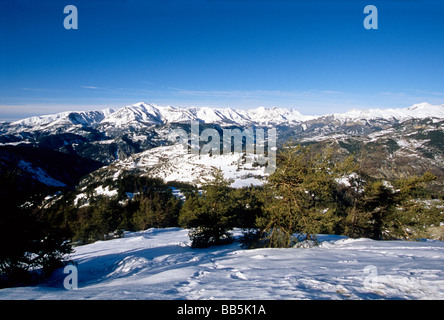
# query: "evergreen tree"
(248, 205)
(158, 210)
(412, 218)
(380, 211)
(209, 215)
(378, 202)
(31, 248)
(300, 194)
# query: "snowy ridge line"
(76, 117)
(152, 114)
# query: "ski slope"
(160, 264)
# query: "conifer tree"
(381, 211)
(412, 218)
(31, 248)
(300, 193)
(209, 215)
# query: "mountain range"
(143, 114)
(390, 143)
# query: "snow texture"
(160, 264)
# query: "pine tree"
(31, 248)
(411, 218)
(209, 215)
(157, 210)
(379, 202)
(300, 193)
(379, 211)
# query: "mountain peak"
(423, 105)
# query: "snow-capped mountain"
(274, 116)
(417, 111)
(142, 115)
(59, 120)
(149, 114)
(110, 135)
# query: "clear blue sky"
(311, 55)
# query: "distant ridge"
(152, 114)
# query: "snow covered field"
(159, 264)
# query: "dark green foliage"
(371, 210)
(210, 215)
(352, 146)
(157, 210)
(31, 247)
(392, 146)
(413, 217)
(98, 221)
(434, 138)
(30, 250)
(141, 202)
(247, 205)
(299, 197)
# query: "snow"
(417, 111)
(173, 163)
(175, 115)
(40, 174)
(143, 114)
(210, 115)
(105, 191)
(276, 115)
(160, 264)
(246, 182)
(72, 117)
(138, 113)
(81, 197)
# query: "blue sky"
(311, 55)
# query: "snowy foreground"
(159, 264)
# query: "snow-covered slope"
(154, 114)
(68, 118)
(266, 116)
(141, 113)
(160, 264)
(417, 111)
(174, 163)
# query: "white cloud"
(91, 87)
